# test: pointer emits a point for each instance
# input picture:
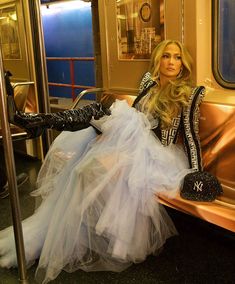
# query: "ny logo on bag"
(198, 186)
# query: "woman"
(99, 210)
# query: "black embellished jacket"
(186, 123)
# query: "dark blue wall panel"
(83, 71)
(68, 33)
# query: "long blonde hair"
(167, 101)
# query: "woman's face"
(171, 62)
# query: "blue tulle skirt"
(99, 209)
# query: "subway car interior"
(63, 55)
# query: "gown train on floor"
(98, 209)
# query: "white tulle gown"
(99, 210)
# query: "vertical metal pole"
(40, 59)
(42, 55)
(97, 47)
(71, 65)
(44, 75)
(11, 176)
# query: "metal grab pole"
(40, 60)
(11, 176)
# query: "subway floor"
(202, 253)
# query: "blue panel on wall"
(58, 71)
(84, 73)
(63, 92)
(68, 33)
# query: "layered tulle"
(99, 210)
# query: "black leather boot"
(70, 120)
(35, 124)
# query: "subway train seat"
(217, 142)
(25, 100)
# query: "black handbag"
(200, 186)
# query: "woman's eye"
(178, 57)
(165, 56)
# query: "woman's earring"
(158, 75)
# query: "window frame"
(215, 48)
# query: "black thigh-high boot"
(70, 120)
(35, 124)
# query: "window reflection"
(9, 36)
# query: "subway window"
(224, 42)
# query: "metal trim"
(215, 56)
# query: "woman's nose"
(171, 60)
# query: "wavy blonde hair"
(167, 101)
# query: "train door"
(23, 56)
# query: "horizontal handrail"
(22, 84)
(83, 93)
(69, 85)
(17, 136)
(71, 58)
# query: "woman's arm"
(198, 185)
(191, 129)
